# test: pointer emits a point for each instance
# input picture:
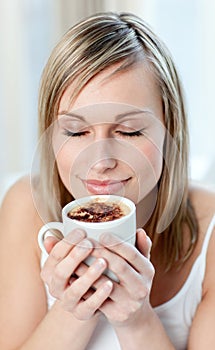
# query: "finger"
(64, 246)
(50, 242)
(144, 243)
(78, 288)
(62, 272)
(134, 271)
(82, 268)
(124, 250)
(60, 251)
(87, 308)
(118, 293)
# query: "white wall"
(188, 28)
(27, 33)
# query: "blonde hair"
(90, 46)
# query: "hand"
(64, 258)
(143, 243)
(135, 273)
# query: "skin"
(104, 150)
(128, 305)
(133, 290)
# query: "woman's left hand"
(135, 273)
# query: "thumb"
(50, 242)
(143, 243)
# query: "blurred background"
(30, 28)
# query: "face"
(110, 139)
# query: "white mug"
(123, 227)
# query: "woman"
(112, 120)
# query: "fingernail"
(108, 286)
(106, 238)
(143, 232)
(85, 244)
(75, 235)
(100, 264)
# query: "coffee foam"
(99, 210)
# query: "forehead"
(135, 86)
(107, 113)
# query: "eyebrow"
(117, 118)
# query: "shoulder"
(18, 214)
(203, 200)
(21, 189)
(23, 299)
(20, 196)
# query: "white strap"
(208, 236)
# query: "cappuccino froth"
(99, 210)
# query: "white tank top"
(176, 314)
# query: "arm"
(24, 320)
(60, 330)
(146, 332)
(202, 335)
(128, 308)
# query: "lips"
(104, 187)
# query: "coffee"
(99, 210)
(96, 215)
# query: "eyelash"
(131, 134)
(74, 134)
(83, 133)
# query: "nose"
(104, 156)
(104, 164)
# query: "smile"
(104, 187)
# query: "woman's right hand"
(64, 258)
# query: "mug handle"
(44, 229)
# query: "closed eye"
(131, 134)
(122, 133)
(74, 134)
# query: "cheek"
(153, 155)
(71, 160)
(64, 162)
(65, 155)
(155, 158)
(149, 171)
